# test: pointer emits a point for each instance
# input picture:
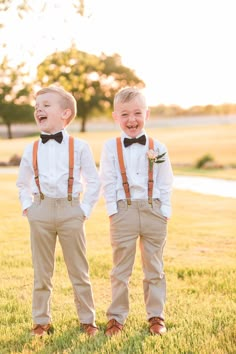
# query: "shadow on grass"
(74, 340)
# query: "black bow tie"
(141, 140)
(58, 137)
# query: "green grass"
(201, 290)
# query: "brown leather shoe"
(89, 329)
(157, 326)
(42, 330)
(113, 328)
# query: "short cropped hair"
(67, 99)
(127, 94)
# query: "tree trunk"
(83, 123)
(9, 133)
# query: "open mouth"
(132, 127)
(42, 118)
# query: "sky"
(184, 50)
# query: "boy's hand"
(25, 212)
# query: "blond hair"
(67, 99)
(128, 94)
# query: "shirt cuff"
(86, 209)
(166, 211)
(111, 208)
(26, 204)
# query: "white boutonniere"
(154, 157)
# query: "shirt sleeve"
(91, 180)
(108, 177)
(25, 177)
(165, 183)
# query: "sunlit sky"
(184, 50)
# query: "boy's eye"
(124, 115)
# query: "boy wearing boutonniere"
(137, 178)
(54, 171)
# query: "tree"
(91, 79)
(12, 113)
(14, 95)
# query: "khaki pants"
(139, 219)
(49, 218)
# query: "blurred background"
(180, 53)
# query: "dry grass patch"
(185, 144)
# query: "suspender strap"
(124, 176)
(150, 174)
(71, 167)
(122, 170)
(35, 166)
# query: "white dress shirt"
(136, 165)
(53, 167)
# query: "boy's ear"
(66, 114)
(114, 116)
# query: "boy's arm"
(108, 178)
(24, 180)
(91, 180)
(165, 185)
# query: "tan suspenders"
(71, 167)
(35, 166)
(124, 176)
(122, 170)
(150, 174)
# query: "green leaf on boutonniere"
(159, 159)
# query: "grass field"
(199, 258)
(185, 144)
(200, 269)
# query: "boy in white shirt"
(137, 179)
(50, 183)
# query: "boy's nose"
(132, 117)
(38, 109)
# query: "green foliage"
(91, 79)
(15, 95)
(12, 113)
(203, 160)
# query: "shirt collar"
(123, 135)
